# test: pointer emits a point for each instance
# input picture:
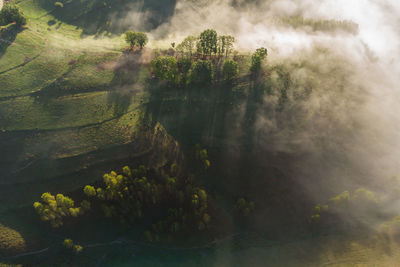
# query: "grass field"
(71, 106)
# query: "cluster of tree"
(166, 194)
(362, 201)
(54, 209)
(244, 207)
(69, 244)
(193, 61)
(322, 25)
(183, 71)
(136, 39)
(207, 44)
(257, 58)
(12, 14)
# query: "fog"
(351, 137)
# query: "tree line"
(134, 194)
(197, 59)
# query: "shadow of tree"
(96, 17)
(8, 35)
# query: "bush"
(10, 14)
(230, 69)
(202, 72)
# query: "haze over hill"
(320, 120)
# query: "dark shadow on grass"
(96, 17)
(8, 35)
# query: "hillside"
(76, 103)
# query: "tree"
(207, 42)
(225, 44)
(188, 45)
(90, 191)
(165, 68)
(10, 14)
(256, 59)
(262, 51)
(77, 249)
(184, 65)
(202, 72)
(230, 69)
(136, 39)
(68, 243)
(54, 209)
(243, 207)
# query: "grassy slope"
(56, 102)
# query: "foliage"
(68, 243)
(202, 72)
(184, 66)
(202, 156)
(342, 199)
(136, 39)
(132, 194)
(77, 249)
(317, 210)
(225, 45)
(322, 25)
(257, 58)
(207, 42)
(89, 190)
(243, 207)
(230, 69)
(188, 45)
(58, 4)
(355, 205)
(54, 209)
(10, 14)
(365, 196)
(165, 68)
